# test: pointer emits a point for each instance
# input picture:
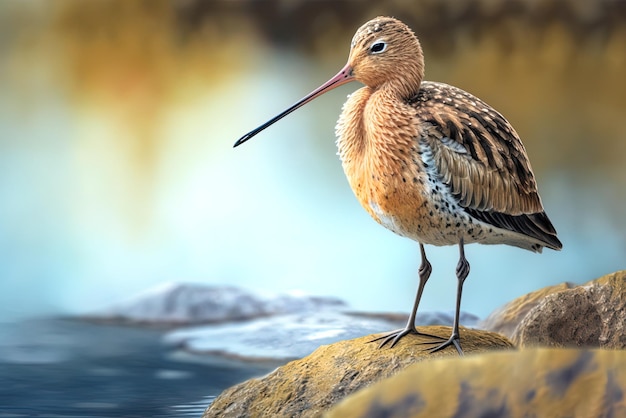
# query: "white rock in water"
(280, 337)
(284, 337)
(178, 303)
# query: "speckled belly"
(423, 210)
(406, 195)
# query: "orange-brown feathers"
(428, 160)
(400, 64)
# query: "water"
(63, 368)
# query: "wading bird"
(430, 161)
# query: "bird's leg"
(462, 270)
(395, 336)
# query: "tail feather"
(534, 225)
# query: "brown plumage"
(430, 161)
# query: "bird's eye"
(378, 47)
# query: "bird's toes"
(452, 341)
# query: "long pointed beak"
(344, 76)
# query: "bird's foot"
(454, 340)
(394, 336)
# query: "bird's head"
(386, 50)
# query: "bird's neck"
(389, 122)
(404, 87)
(373, 126)
(351, 129)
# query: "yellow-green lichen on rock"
(310, 386)
(540, 382)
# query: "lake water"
(63, 368)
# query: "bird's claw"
(394, 336)
(453, 340)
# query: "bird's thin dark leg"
(462, 271)
(395, 336)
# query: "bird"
(429, 161)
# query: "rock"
(589, 315)
(309, 386)
(288, 337)
(175, 304)
(538, 382)
(507, 317)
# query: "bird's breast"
(392, 173)
(414, 203)
(377, 143)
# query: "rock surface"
(589, 315)
(537, 382)
(310, 386)
(507, 317)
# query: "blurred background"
(117, 171)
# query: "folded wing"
(482, 160)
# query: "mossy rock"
(311, 385)
(540, 382)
